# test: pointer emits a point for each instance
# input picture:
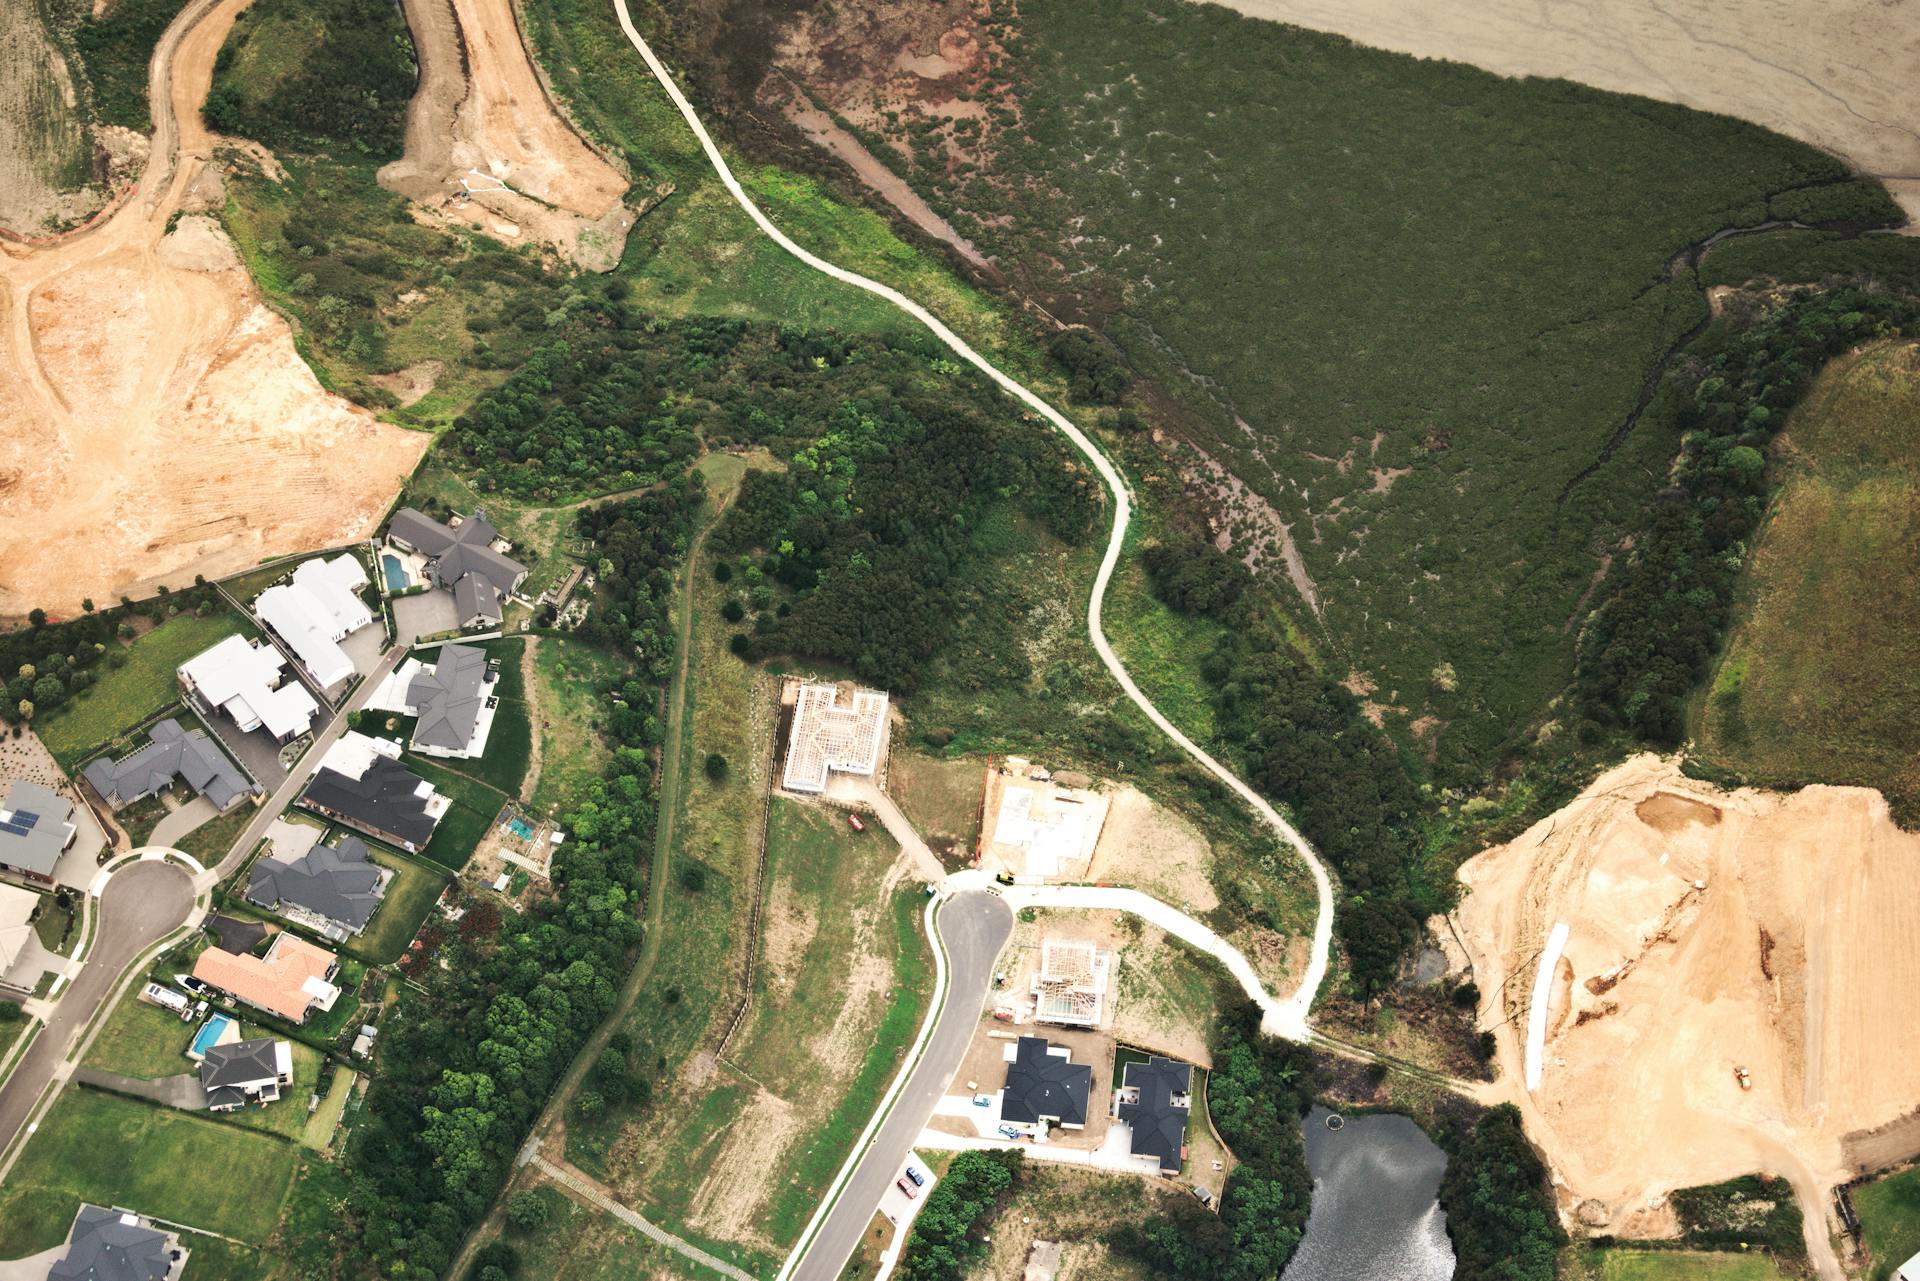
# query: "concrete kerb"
(882, 1112)
(147, 854)
(21, 1045)
(135, 970)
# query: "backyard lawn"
(1889, 1212)
(410, 896)
(210, 841)
(466, 821)
(503, 766)
(125, 696)
(191, 1169)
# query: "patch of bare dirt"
(842, 1047)
(410, 384)
(1838, 75)
(486, 145)
(726, 1206)
(1148, 847)
(1709, 930)
(787, 931)
(155, 419)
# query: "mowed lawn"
(1821, 679)
(145, 1041)
(1682, 1265)
(124, 696)
(474, 806)
(114, 1151)
(1889, 1212)
(410, 896)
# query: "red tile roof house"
(291, 981)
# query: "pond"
(1376, 1211)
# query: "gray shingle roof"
(34, 846)
(465, 562)
(417, 529)
(475, 597)
(1159, 1127)
(1042, 1084)
(448, 698)
(173, 753)
(384, 800)
(104, 1248)
(336, 881)
(240, 1064)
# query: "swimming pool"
(396, 573)
(520, 828)
(208, 1036)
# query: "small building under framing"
(832, 736)
(1070, 987)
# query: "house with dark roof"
(1044, 1086)
(465, 561)
(117, 1245)
(362, 784)
(1156, 1099)
(450, 696)
(35, 830)
(172, 754)
(334, 889)
(246, 1072)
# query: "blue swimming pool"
(208, 1036)
(520, 828)
(396, 572)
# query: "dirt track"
(1840, 75)
(1799, 960)
(155, 419)
(481, 121)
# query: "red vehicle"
(905, 1187)
(853, 821)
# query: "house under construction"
(829, 735)
(1070, 986)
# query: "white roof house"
(315, 611)
(243, 679)
(828, 735)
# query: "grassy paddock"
(126, 695)
(114, 1151)
(1820, 680)
(573, 751)
(1889, 1212)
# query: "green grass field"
(410, 896)
(210, 841)
(112, 1151)
(1889, 1212)
(572, 750)
(1820, 680)
(474, 805)
(1625, 1264)
(125, 696)
(46, 131)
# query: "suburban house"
(245, 1072)
(451, 700)
(292, 980)
(334, 889)
(361, 783)
(1908, 1271)
(1156, 1099)
(469, 559)
(1070, 987)
(117, 1245)
(1044, 1086)
(317, 608)
(16, 937)
(174, 753)
(242, 678)
(35, 830)
(831, 736)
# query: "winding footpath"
(1286, 1017)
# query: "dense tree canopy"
(946, 1242)
(1500, 1210)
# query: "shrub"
(528, 1211)
(716, 767)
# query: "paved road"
(973, 927)
(142, 903)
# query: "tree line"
(468, 1064)
(1661, 617)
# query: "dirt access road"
(1841, 75)
(155, 419)
(481, 123)
(1708, 930)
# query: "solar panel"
(14, 829)
(25, 819)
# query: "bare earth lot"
(155, 419)
(1840, 75)
(1799, 960)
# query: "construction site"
(1717, 983)
(1040, 827)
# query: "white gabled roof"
(243, 678)
(333, 584)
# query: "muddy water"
(1376, 1211)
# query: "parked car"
(919, 1179)
(1013, 1132)
(1005, 878)
(1206, 1197)
(983, 1100)
(853, 821)
(905, 1187)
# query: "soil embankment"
(156, 421)
(1709, 931)
(1837, 75)
(486, 146)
